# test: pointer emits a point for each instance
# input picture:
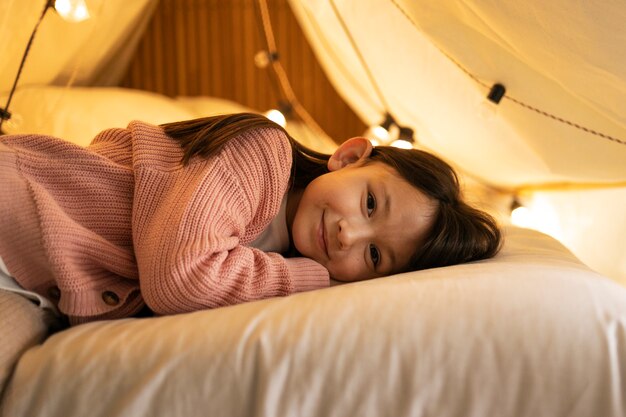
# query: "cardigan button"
(54, 293)
(110, 298)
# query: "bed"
(532, 332)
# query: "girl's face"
(361, 221)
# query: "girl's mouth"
(321, 236)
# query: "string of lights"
(4, 112)
(496, 92)
(512, 99)
(70, 10)
(273, 59)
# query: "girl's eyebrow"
(387, 200)
(387, 213)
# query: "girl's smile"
(322, 236)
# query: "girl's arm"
(191, 224)
(226, 277)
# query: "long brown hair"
(204, 137)
(460, 233)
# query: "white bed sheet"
(532, 332)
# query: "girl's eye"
(375, 255)
(371, 204)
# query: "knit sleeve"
(190, 225)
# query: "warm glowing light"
(522, 217)
(538, 215)
(546, 218)
(72, 10)
(374, 142)
(276, 117)
(261, 59)
(380, 133)
(401, 143)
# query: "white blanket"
(530, 333)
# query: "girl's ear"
(351, 151)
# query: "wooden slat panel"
(207, 47)
(203, 47)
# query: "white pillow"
(77, 114)
(531, 332)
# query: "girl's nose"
(350, 233)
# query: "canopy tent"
(560, 127)
(493, 337)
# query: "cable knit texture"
(122, 222)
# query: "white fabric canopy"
(93, 52)
(433, 63)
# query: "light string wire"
(386, 105)
(512, 99)
(518, 189)
(514, 190)
(71, 79)
(272, 76)
(281, 73)
(21, 67)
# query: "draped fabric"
(432, 65)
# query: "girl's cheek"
(346, 270)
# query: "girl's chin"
(317, 259)
(306, 252)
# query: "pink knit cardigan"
(106, 228)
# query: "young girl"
(218, 211)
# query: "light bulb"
(402, 144)
(262, 59)
(72, 10)
(522, 216)
(276, 117)
(380, 133)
